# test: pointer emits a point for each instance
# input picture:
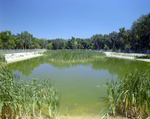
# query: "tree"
(128, 33)
(58, 44)
(26, 38)
(43, 43)
(1, 45)
(19, 42)
(50, 46)
(35, 43)
(107, 41)
(141, 29)
(123, 34)
(74, 43)
(97, 40)
(113, 37)
(68, 44)
(12, 41)
(5, 38)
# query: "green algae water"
(81, 85)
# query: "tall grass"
(72, 55)
(26, 99)
(130, 96)
(2, 57)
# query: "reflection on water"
(81, 84)
(113, 65)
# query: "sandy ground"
(131, 56)
(15, 57)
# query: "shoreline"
(130, 56)
(15, 57)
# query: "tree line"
(135, 38)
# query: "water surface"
(81, 85)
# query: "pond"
(81, 85)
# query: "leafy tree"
(50, 46)
(137, 38)
(113, 37)
(106, 47)
(35, 43)
(96, 40)
(12, 44)
(26, 38)
(107, 41)
(1, 45)
(43, 43)
(141, 29)
(19, 42)
(58, 44)
(74, 43)
(123, 34)
(5, 38)
(68, 44)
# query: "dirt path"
(131, 56)
(15, 57)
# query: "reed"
(26, 99)
(72, 55)
(130, 96)
(2, 57)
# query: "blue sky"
(66, 18)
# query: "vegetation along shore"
(127, 96)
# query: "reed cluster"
(72, 55)
(26, 99)
(2, 57)
(130, 96)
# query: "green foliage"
(106, 47)
(2, 57)
(50, 46)
(43, 43)
(58, 44)
(130, 95)
(1, 45)
(26, 99)
(137, 38)
(72, 55)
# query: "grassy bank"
(26, 99)
(130, 96)
(72, 55)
